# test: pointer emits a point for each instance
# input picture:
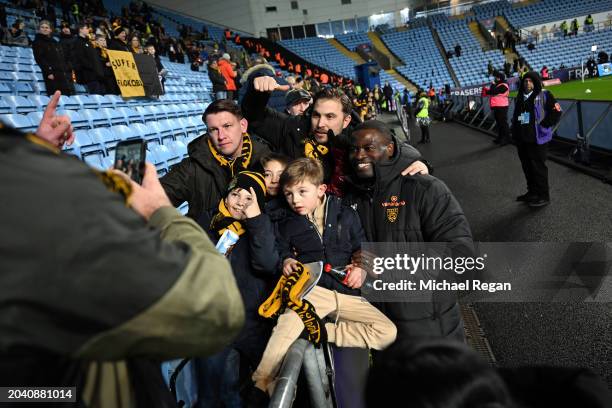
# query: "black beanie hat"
(118, 31)
(247, 179)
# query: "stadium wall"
(251, 15)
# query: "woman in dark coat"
(51, 60)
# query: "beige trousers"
(358, 324)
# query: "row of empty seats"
(353, 40)
(545, 11)
(570, 51)
(320, 52)
(471, 66)
(424, 64)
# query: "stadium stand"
(471, 66)
(423, 62)
(353, 40)
(545, 11)
(490, 10)
(569, 51)
(320, 52)
(101, 121)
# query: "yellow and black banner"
(126, 73)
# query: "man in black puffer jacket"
(214, 158)
(426, 212)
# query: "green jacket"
(424, 111)
(91, 294)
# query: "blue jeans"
(218, 379)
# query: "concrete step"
(380, 46)
(475, 29)
(350, 54)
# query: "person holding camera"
(101, 277)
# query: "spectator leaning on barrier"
(214, 158)
(115, 286)
(51, 60)
(536, 112)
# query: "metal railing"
(582, 138)
(317, 372)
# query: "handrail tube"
(286, 384)
(318, 387)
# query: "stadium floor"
(486, 179)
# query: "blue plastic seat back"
(18, 121)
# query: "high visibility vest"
(424, 112)
(500, 100)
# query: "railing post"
(286, 384)
(315, 372)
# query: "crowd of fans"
(319, 179)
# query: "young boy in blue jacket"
(320, 228)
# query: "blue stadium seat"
(19, 104)
(66, 102)
(183, 110)
(172, 111)
(200, 126)
(177, 127)
(8, 66)
(123, 132)
(131, 115)
(96, 161)
(24, 88)
(35, 117)
(158, 112)
(95, 118)
(113, 116)
(147, 132)
(166, 130)
(21, 122)
(77, 120)
(105, 136)
(154, 135)
(116, 100)
(89, 145)
(24, 76)
(4, 108)
(5, 88)
(145, 112)
(179, 148)
(102, 100)
(85, 101)
(74, 149)
(160, 164)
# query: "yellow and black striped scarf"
(286, 294)
(238, 164)
(314, 149)
(223, 220)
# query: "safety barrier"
(317, 371)
(582, 138)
